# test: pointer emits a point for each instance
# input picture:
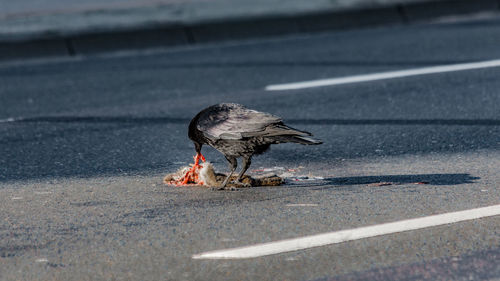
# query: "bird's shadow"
(386, 180)
(94, 145)
(357, 184)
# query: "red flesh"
(191, 176)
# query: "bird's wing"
(233, 121)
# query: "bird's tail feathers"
(290, 130)
(280, 133)
(306, 140)
(297, 139)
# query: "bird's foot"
(240, 184)
(232, 185)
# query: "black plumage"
(237, 131)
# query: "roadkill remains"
(205, 175)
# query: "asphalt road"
(86, 141)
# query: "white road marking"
(383, 75)
(7, 120)
(318, 240)
(42, 260)
(39, 61)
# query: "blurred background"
(201, 20)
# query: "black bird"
(237, 131)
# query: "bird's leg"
(232, 165)
(246, 163)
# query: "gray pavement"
(85, 142)
(39, 17)
(69, 28)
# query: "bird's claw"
(241, 184)
(234, 186)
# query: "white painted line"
(17, 198)
(42, 260)
(7, 120)
(318, 240)
(383, 75)
(38, 61)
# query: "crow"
(237, 131)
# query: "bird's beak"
(197, 147)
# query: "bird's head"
(197, 147)
(195, 135)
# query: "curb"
(171, 35)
